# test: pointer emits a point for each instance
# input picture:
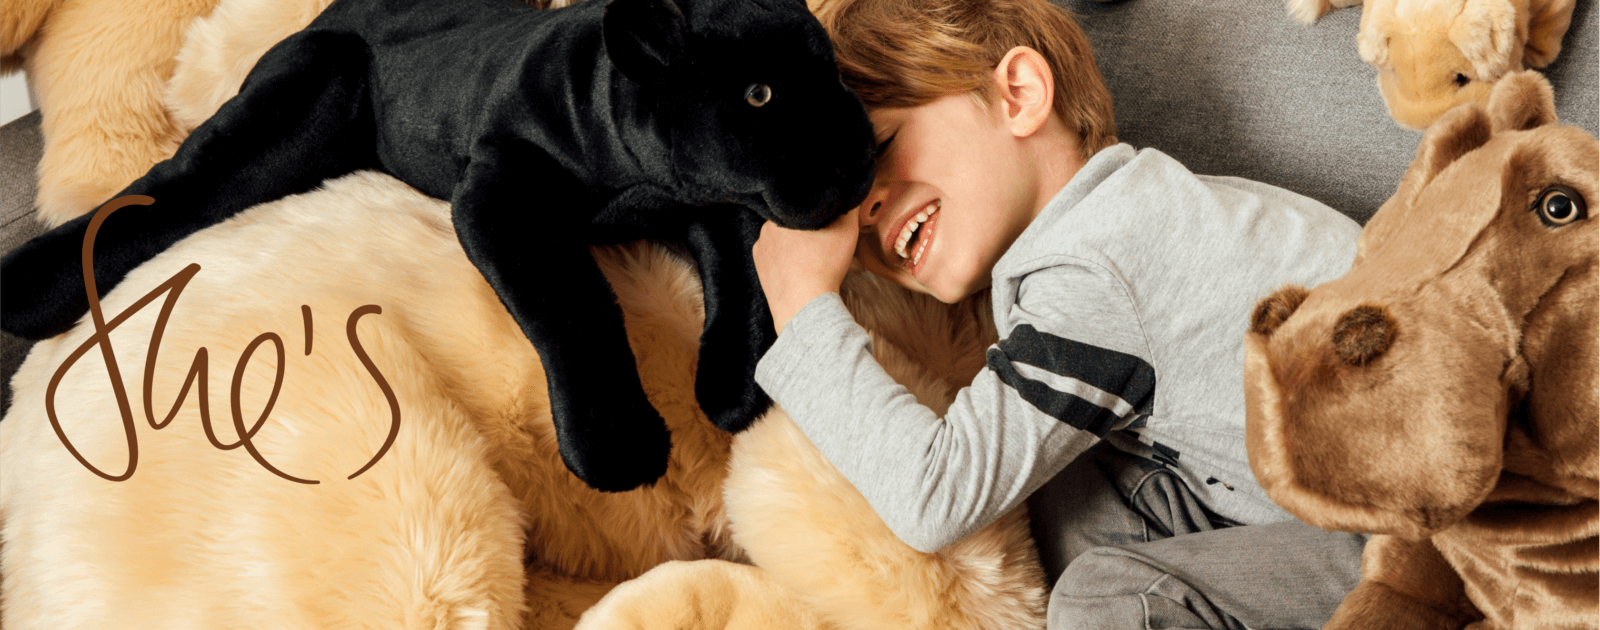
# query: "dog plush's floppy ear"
(1486, 34)
(644, 37)
(1459, 131)
(1522, 101)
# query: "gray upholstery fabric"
(20, 147)
(1237, 87)
(1228, 87)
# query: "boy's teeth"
(911, 228)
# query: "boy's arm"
(1030, 412)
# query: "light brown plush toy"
(1432, 55)
(99, 69)
(1443, 394)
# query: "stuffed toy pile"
(1432, 55)
(691, 121)
(1443, 394)
(469, 520)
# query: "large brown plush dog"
(1443, 394)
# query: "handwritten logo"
(198, 369)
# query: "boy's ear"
(1027, 89)
(644, 37)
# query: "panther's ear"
(1522, 101)
(644, 37)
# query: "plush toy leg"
(96, 70)
(703, 594)
(738, 327)
(1405, 585)
(302, 116)
(1309, 10)
(539, 264)
(19, 20)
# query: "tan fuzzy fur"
(436, 534)
(97, 68)
(200, 537)
(1420, 46)
(1456, 414)
(221, 48)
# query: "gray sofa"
(1228, 87)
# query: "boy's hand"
(796, 266)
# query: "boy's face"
(953, 191)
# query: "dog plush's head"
(1379, 402)
(1432, 55)
(749, 96)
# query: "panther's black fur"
(548, 131)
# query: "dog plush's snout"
(1274, 309)
(1362, 334)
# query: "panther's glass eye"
(1558, 206)
(1462, 80)
(757, 94)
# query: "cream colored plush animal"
(468, 520)
(98, 69)
(1432, 55)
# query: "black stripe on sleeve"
(1072, 410)
(1118, 373)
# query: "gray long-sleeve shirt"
(1121, 311)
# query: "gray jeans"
(1129, 547)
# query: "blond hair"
(905, 53)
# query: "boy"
(1122, 286)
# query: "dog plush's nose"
(1272, 310)
(1363, 334)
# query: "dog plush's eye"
(757, 94)
(1462, 80)
(1558, 206)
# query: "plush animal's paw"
(1308, 10)
(725, 380)
(41, 285)
(731, 401)
(614, 442)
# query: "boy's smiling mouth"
(916, 233)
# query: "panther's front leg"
(522, 219)
(738, 329)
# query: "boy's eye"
(884, 146)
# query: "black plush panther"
(548, 131)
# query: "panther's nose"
(1363, 333)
